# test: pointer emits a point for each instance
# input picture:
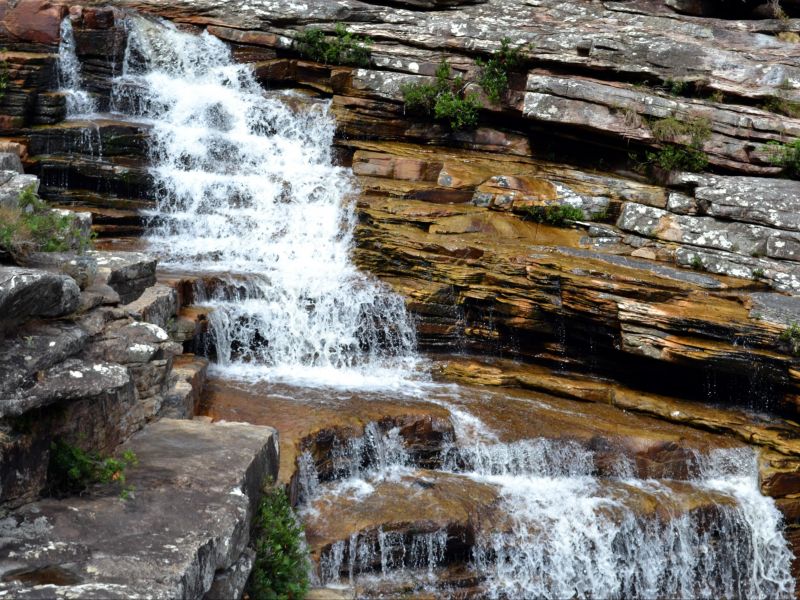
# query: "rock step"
(195, 490)
(128, 273)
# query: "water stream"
(246, 190)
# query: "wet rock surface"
(195, 488)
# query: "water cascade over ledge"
(246, 191)
(246, 188)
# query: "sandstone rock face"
(32, 21)
(195, 489)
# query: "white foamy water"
(79, 101)
(247, 189)
(562, 531)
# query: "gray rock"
(27, 293)
(229, 584)
(158, 305)
(195, 489)
(780, 275)
(82, 268)
(72, 379)
(743, 238)
(128, 273)
(10, 161)
(660, 270)
(36, 347)
(12, 184)
(771, 202)
(776, 308)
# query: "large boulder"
(32, 21)
(28, 293)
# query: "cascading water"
(246, 187)
(79, 101)
(569, 532)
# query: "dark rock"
(72, 379)
(128, 273)
(28, 293)
(230, 583)
(82, 268)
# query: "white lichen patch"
(76, 374)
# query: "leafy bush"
(684, 148)
(677, 158)
(494, 72)
(72, 470)
(557, 215)
(444, 100)
(35, 227)
(782, 106)
(786, 156)
(344, 48)
(791, 336)
(281, 565)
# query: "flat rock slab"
(196, 486)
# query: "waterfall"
(564, 531)
(570, 533)
(246, 188)
(79, 101)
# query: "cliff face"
(678, 286)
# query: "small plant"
(444, 99)
(782, 106)
(343, 48)
(758, 274)
(281, 566)
(676, 87)
(683, 144)
(557, 215)
(696, 263)
(35, 227)
(494, 72)
(786, 156)
(72, 470)
(791, 336)
(675, 158)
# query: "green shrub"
(494, 72)
(558, 215)
(72, 470)
(682, 148)
(791, 336)
(35, 227)
(782, 106)
(677, 158)
(697, 263)
(281, 566)
(343, 48)
(786, 156)
(444, 100)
